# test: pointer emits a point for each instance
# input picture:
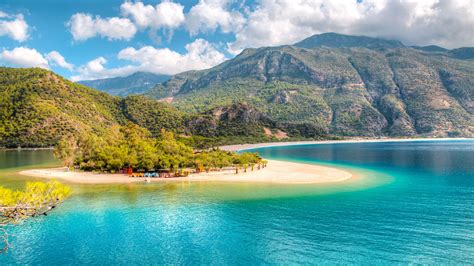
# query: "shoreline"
(250, 146)
(277, 172)
(26, 149)
(288, 143)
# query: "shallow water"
(412, 202)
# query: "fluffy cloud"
(84, 26)
(444, 22)
(199, 55)
(14, 27)
(23, 57)
(208, 15)
(448, 23)
(55, 58)
(164, 15)
(95, 69)
(29, 57)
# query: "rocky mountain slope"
(340, 84)
(136, 83)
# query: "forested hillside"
(38, 108)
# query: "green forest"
(131, 146)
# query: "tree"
(133, 146)
(244, 160)
(37, 199)
(175, 153)
(66, 150)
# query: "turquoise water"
(411, 203)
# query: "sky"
(92, 39)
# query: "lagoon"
(412, 203)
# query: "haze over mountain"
(341, 84)
(136, 83)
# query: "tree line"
(133, 146)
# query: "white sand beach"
(276, 172)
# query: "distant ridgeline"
(326, 86)
(340, 85)
(136, 83)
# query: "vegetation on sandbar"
(131, 146)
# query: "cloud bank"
(448, 23)
(200, 54)
(238, 24)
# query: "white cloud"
(23, 57)
(199, 55)
(84, 26)
(55, 58)
(208, 15)
(14, 27)
(444, 22)
(164, 15)
(95, 69)
(448, 23)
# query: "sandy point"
(280, 172)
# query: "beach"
(280, 172)
(242, 147)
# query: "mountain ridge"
(262, 94)
(371, 90)
(336, 40)
(136, 83)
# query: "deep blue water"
(413, 203)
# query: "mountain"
(463, 53)
(136, 83)
(431, 48)
(38, 107)
(336, 40)
(338, 84)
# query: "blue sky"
(89, 39)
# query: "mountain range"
(137, 83)
(326, 86)
(340, 85)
